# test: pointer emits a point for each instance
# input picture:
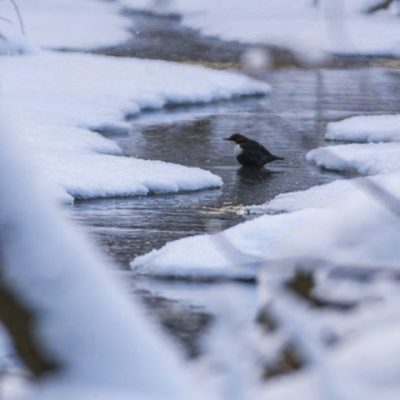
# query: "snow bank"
(321, 196)
(234, 254)
(85, 320)
(54, 99)
(340, 222)
(371, 128)
(338, 27)
(78, 24)
(366, 159)
(329, 195)
(361, 232)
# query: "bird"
(248, 152)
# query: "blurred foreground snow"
(77, 24)
(84, 320)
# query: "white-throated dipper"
(251, 153)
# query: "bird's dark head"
(237, 138)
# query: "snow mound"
(366, 159)
(328, 195)
(233, 254)
(54, 99)
(372, 128)
(89, 176)
(321, 196)
(361, 232)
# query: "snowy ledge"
(53, 99)
(366, 128)
(208, 256)
(366, 159)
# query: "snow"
(54, 99)
(366, 159)
(335, 27)
(54, 24)
(85, 318)
(235, 254)
(366, 128)
(361, 232)
(368, 367)
(15, 44)
(320, 196)
(328, 195)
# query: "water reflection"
(252, 176)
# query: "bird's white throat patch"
(237, 151)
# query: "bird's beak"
(227, 138)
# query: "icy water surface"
(290, 121)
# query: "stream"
(290, 121)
